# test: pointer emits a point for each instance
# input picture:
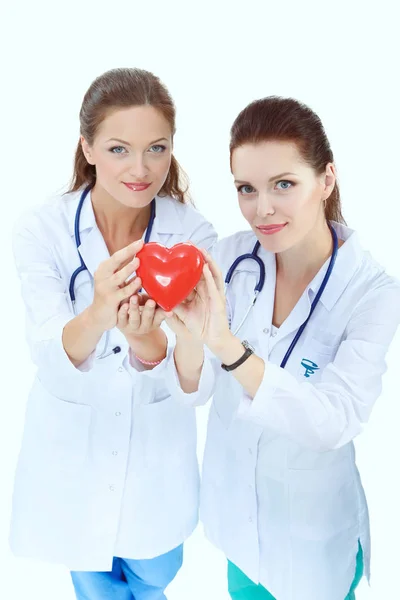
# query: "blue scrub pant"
(130, 579)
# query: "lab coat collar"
(348, 260)
(93, 248)
(167, 221)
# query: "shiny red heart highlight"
(169, 274)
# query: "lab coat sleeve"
(332, 412)
(45, 298)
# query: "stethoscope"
(82, 267)
(261, 281)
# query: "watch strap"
(247, 352)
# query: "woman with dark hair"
(107, 478)
(301, 333)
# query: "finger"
(201, 288)
(212, 289)
(120, 277)
(129, 289)
(123, 316)
(191, 296)
(215, 271)
(180, 311)
(134, 313)
(175, 324)
(166, 314)
(108, 267)
(159, 317)
(148, 314)
(143, 298)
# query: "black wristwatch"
(249, 350)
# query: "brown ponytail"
(84, 173)
(176, 184)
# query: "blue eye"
(284, 184)
(246, 189)
(117, 150)
(157, 149)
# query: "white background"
(341, 58)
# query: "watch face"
(247, 345)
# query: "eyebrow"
(274, 178)
(128, 144)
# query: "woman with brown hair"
(107, 478)
(301, 333)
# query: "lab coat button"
(114, 453)
(111, 488)
(120, 369)
(117, 414)
(265, 330)
(250, 520)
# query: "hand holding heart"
(168, 276)
(203, 314)
(113, 285)
(188, 287)
(139, 315)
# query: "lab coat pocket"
(322, 502)
(56, 435)
(316, 355)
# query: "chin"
(274, 244)
(135, 199)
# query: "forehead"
(136, 124)
(267, 159)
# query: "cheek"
(302, 203)
(248, 209)
(108, 166)
(160, 167)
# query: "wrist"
(187, 340)
(151, 347)
(91, 321)
(189, 358)
(228, 349)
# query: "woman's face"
(132, 154)
(280, 195)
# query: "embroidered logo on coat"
(309, 366)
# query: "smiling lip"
(270, 229)
(137, 187)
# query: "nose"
(264, 205)
(138, 168)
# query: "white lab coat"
(281, 493)
(108, 462)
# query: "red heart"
(169, 274)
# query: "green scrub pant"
(241, 587)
